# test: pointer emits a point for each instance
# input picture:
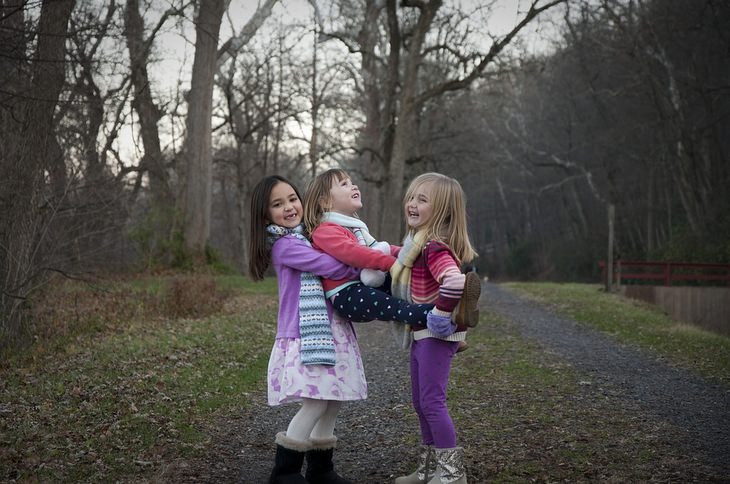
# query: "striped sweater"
(437, 279)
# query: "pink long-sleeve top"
(342, 244)
(290, 257)
(437, 279)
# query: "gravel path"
(376, 444)
(700, 409)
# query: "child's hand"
(439, 324)
(372, 277)
(381, 246)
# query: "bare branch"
(494, 51)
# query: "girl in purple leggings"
(427, 272)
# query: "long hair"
(259, 252)
(448, 218)
(318, 196)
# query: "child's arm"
(445, 270)
(334, 240)
(386, 248)
(298, 255)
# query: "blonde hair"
(448, 218)
(318, 194)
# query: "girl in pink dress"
(315, 359)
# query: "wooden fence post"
(609, 260)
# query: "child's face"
(418, 206)
(344, 197)
(285, 208)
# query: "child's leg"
(293, 445)
(426, 436)
(300, 427)
(434, 363)
(320, 465)
(360, 303)
(325, 426)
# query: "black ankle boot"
(320, 469)
(288, 461)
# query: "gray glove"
(440, 325)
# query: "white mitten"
(382, 246)
(372, 277)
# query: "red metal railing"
(667, 272)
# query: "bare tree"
(395, 95)
(197, 151)
(143, 103)
(197, 148)
(25, 204)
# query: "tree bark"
(371, 158)
(197, 154)
(147, 111)
(22, 222)
(609, 256)
(405, 121)
(405, 138)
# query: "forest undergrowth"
(132, 375)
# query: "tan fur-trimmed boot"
(449, 466)
(288, 461)
(424, 471)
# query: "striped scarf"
(400, 271)
(317, 343)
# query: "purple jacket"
(290, 257)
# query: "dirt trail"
(700, 409)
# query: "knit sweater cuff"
(427, 333)
(440, 312)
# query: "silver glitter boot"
(424, 471)
(449, 466)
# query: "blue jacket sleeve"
(296, 254)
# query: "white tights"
(316, 419)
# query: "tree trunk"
(22, 221)
(197, 153)
(372, 157)
(405, 137)
(314, 141)
(650, 212)
(401, 129)
(609, 256)
(148, 112)
(404, 145)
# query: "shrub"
(191, 296)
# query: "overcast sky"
(175, 50)
(502, 18)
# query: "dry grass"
(123, 388)
(116, 386)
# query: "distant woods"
(632, 109)
(110, 163)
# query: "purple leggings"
(430, 366)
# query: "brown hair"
(448, 218)
(318, 194)
(259, 252)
